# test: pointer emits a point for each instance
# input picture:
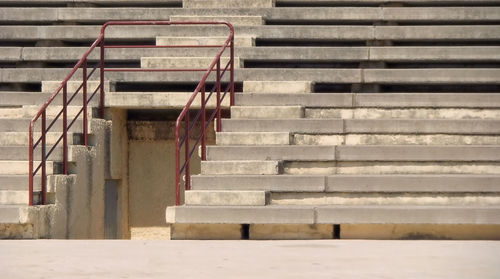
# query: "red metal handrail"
(204, 122)
(82, 63)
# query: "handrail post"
(30, 152)
(203, 124)
(101, 83)
(43, 157)
(177, 167)
(218, 108)
(231, 73)
(186, 155)
(85, 124)
(65, 125)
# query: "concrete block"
(266, 112)
(185, 62)
(274, 183)
(240, 214)
(206, 231)
(286, 231)
(284, 153)
(435, 100)
(249, 138)
(284, 87)
(9, 54)
(306, 100)
(227, 4)
(226, 198)
(72, 86)
(418, 153)
(414, 126)
(239, 41)
(234, 20)
(21, 167)
(310, 126)
(420, 231)
(413, 183)
(240, 167)
(408, 215)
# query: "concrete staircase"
(355, 118)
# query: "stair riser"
(372, 113)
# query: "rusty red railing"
(184, 118)
(87, 73)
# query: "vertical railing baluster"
(186, 154)
(218, 97)
(30, 152)
(203, 128)
(231, 76)
(64, 128)
(43, 158)
(101, 82)
(177, 166)
(85, 124)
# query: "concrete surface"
(250, 259)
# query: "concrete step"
(49, 86)
(284, 153)
(246, 51)
(33, 98)
(274, 183)
(353, 13)
(418, 153)
(17, 153)
(373, 100)
(197, 4)
(253, 138)
(158, 100)
(185, 62)
(22, 138)
(418, 126)
(267, 112)
(234, 20)
(22, 124)
(17, 182)
(413, 183)
(403, 113)
(385, 199)
(434, 100)
(240, 167)
(239, 41)
(10, 214)
(295, 99)
(333, 214)
(357, 183)
(226, 198)
(341, 76)
(21, 167)
(30, 111)
(395, 139)
(353, 32)
(322, 126)
(14, 197)
(278, 87)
